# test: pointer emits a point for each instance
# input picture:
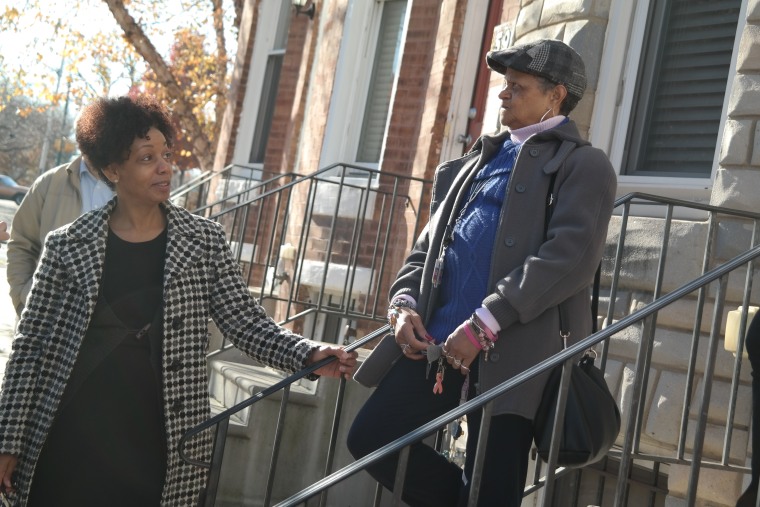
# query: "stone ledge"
(231, 383)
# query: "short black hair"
(107, 127)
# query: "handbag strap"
(551, 201)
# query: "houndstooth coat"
(201, 280)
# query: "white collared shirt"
(95, 192)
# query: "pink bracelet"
(471, 336)
(480, 325)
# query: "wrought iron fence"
(617, 480)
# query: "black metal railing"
(196, 192)
(320, 244)
(629, 452)
(484, 400)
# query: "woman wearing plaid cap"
(108, 368)
(486, 279)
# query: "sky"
(36, 45)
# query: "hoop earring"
(543, 118)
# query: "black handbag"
(592, 418)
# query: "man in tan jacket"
(56, 198)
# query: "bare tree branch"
(136, 36)
(238, 13)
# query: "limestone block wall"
(739, 168)
(665, 399)
(664, 404)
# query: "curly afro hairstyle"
(107, 127)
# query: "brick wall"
(291, 101)
(231, 121)
(419, 112)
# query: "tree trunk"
(182, 108)
(221, 67)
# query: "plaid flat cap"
(549, 58)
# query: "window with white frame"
(269, 89)
(268, 96)
(271, 34)
(680, 88)
(367, 70)
(384, 72)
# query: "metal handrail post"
(704, 405)
(480, 454)
(277, 443)
(333, 435)
(696, 333)
(557, 433)
(215, 470)
(398, 483)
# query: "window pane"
(681, 88)
(384, 70)
(270, 86)
(266, 108)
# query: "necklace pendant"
(438, 271)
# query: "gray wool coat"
(531, 273)
(201, 281)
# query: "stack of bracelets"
(393, 309)
(479, 334)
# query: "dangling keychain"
(433, 353)
(438, 387)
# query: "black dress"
(107, 445)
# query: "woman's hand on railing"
(344, 366)
(7, 466)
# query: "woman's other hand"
(459, 350)
(344, 366)
(408, 329)
(7, 466)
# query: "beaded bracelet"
(485, 344)
(393, 310)
(392, 316)
(402, 303)
(482, 328)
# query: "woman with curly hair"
(108, 367)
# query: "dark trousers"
(404, 401)
(753, 351)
